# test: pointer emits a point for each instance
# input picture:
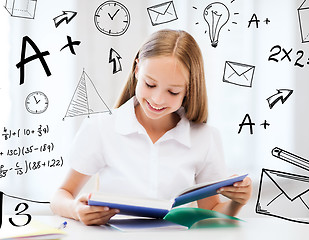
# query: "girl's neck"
(156, 128)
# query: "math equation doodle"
(39, 131)
(22, 168)
(86, 99)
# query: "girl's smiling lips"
(153, 108)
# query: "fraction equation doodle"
(40, 131)
(30, 166)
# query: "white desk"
(253, 228)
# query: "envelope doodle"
(303, 14)
(238, 74)
(162, 13)
(281, 200)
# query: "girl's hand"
(240, 192)
(92, 215)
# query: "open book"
(156, 208)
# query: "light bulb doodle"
(216, 15)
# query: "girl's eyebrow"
(174, 85)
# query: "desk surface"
(253, 228)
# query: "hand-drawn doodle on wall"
(216, 15)
(114, 58)
(20, 209)
(214, 21)
(21, 8)
(286, 55)
(70, 45)
(36, 102)
(280, 193)
(282, 94)
(162, 13)
(303, 14)
(291, 158)
(112, 18)
(86, 100)
(248, 122)
(287, 189)
(238, 74)
(254, 19)
(66, 16)
(39, 55)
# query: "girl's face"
(161, 85)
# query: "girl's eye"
(150, 86)
(173, 93)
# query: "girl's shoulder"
(204, 130)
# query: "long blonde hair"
(183, 46)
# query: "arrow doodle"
(66, 16)
(282, 94)
(115, 58)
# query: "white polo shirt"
(118, 147)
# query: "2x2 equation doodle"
(279, 53)
(30, 166)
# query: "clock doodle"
(112, 18)
(36, 102)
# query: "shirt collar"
(126, 123)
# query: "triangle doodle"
(86, 99)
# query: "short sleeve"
(86, 151)
(214, 167)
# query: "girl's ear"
(136, 67)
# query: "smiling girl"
(157, 141)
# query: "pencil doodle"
(282, 94)
(114, 58)
(238, 73)
(86, 99)
(112, 18)
(303, 14)
(291, 158)
(70, 45)
(66, 16)
(162, 13)
(21, 8)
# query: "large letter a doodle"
(24, 60)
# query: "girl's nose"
(158, 97)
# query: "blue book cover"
(205, 191)
(155, 208)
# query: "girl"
(156, 142)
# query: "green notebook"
(200, 218)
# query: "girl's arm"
(239, 195)
(65, 203)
